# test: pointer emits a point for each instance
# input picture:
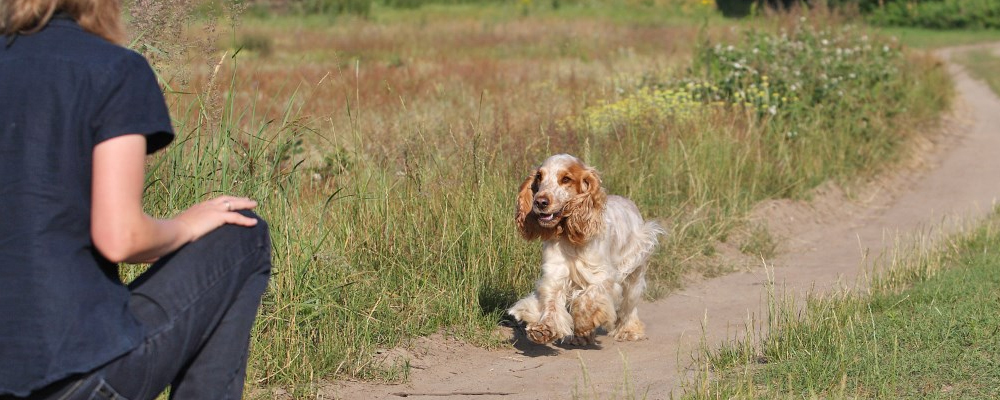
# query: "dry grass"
(366, 85)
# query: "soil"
(829, 244)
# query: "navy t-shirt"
(63, 309)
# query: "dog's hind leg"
(628, 327)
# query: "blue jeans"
(197, 306)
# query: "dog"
(595, 249)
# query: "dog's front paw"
(541, 333)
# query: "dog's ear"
(527, 223)
(584, 213)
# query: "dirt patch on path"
(829, 241)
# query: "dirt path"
(830, 237)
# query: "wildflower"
(772, 110)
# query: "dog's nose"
(541, 203)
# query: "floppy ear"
(527, 223)
(584, 213)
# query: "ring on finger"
(229, 206)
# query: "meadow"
(386, 151)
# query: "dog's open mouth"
(548, 219)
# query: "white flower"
(737, 65)
(824, 42)
(772, 110)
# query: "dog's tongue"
(546, 217)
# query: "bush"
(807, 67)
(946, 14)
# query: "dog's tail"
(642, 245)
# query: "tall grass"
(388, 179)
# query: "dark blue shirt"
(63, 309)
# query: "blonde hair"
(100, 17)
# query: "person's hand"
(206, 216)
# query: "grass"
(928, 329)
(385, 154)
(932, 38)
(983, 65)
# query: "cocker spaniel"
(594, 253)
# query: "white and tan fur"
(594, 253)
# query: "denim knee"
(254, 241)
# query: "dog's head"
(561, 197)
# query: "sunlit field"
(386, 151)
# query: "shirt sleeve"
(133, 104)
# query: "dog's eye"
(567, 179)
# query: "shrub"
(945, 14)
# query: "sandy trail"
(828, 240)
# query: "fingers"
(233, 203)
(239, 219)
(229, 204)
